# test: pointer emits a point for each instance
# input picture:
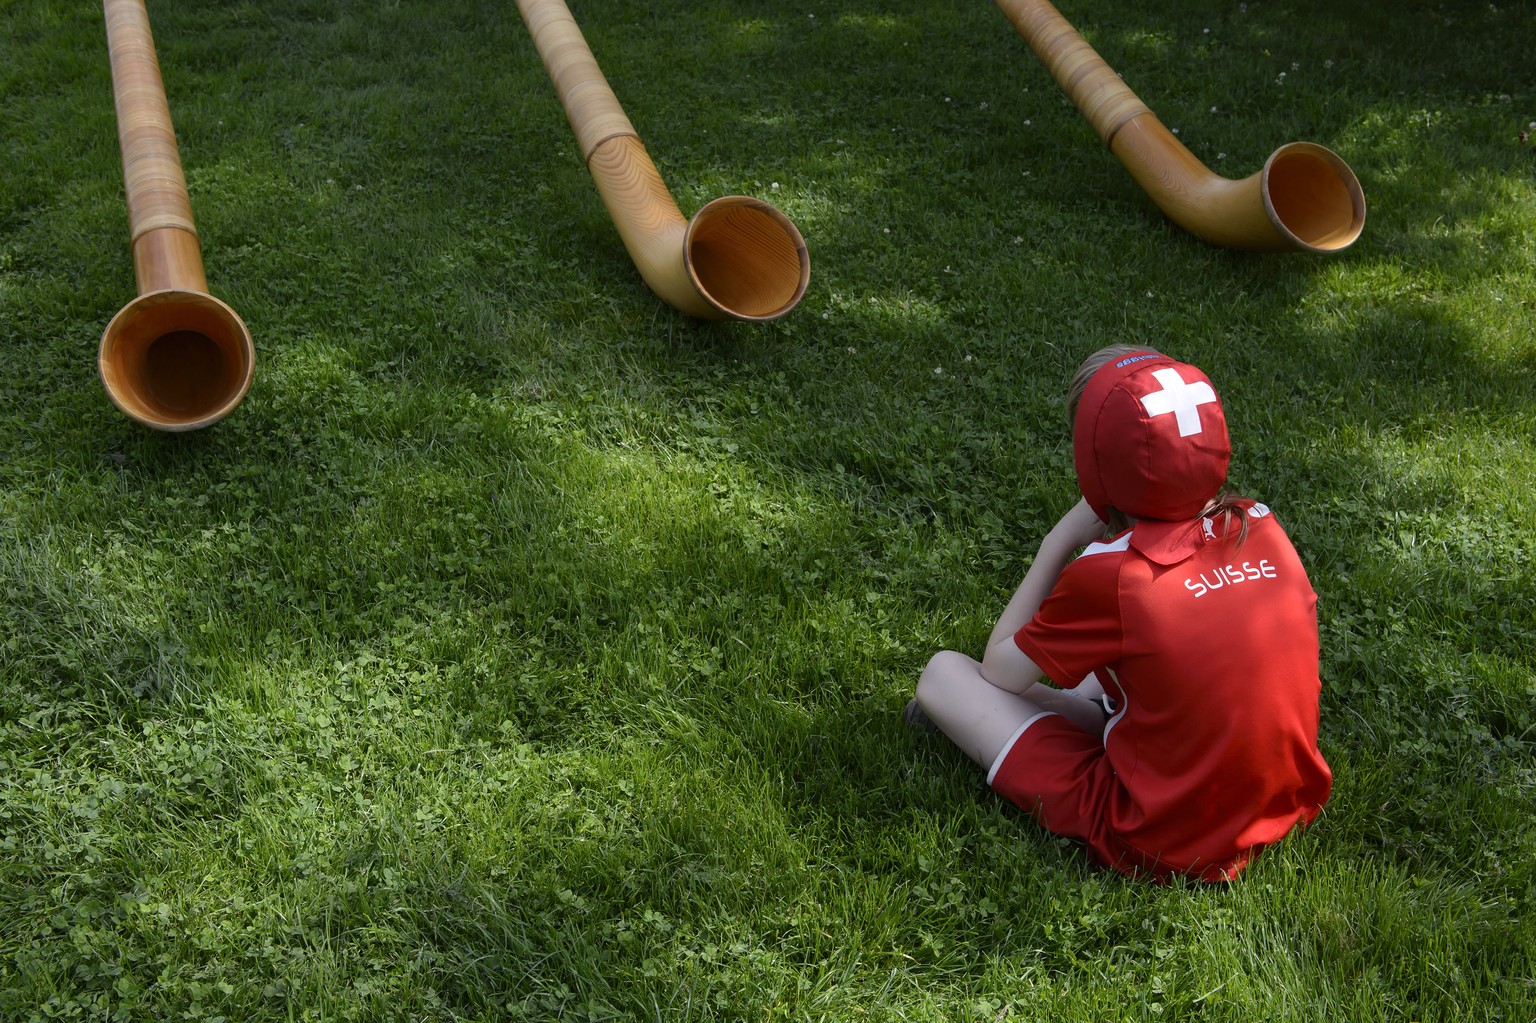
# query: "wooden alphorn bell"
(1304, 198)
(175, 358)
(739, 258)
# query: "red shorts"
(1061, 775)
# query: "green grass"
(523, 649)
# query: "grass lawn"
(522, 648)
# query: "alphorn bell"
(1305, 197)
(175, 358)
(739, 258)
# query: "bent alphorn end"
(738, 258)
(1305, 199)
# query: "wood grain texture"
(157, 190)
(589, 102)
(1092, 85)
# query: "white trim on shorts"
(1003, 753)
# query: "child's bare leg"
(976, 715)
(980, 718)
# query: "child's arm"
(1079, 527)
(1004, 664)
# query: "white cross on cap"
(1179, 397)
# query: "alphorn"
(1305, 197)
(175, 358)
(739, 258)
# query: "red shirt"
(1213, 666)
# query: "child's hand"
(1080, 526)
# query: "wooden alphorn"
(1305, 197)
(175, 358)
(739, 258)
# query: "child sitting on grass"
(1183, 736)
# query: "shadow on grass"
(553, 643)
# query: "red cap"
(1150, 438)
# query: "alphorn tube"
(1305, 197)
(175, 358)
(739, 258)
